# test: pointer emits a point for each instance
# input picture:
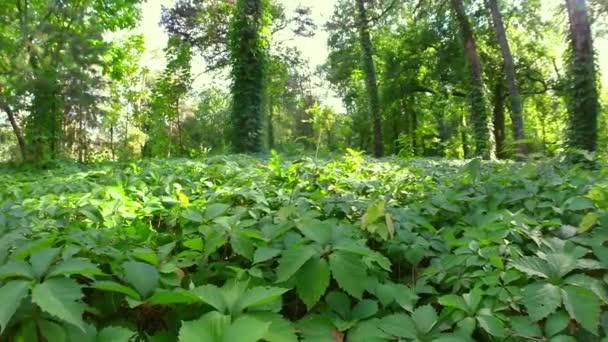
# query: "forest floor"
(234, 248)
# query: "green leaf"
(556, 323)
(315, 230)
(259, 296)
(74, 266)
(60, 297)
(399, 325)
(339, 302)
(316, 328)
(42, 259)
(523, 326)
(280, 330)
(246, 329)
(209, 328)
(541, 300)
(579, 203)
(194, 244)
(144, 277)
(193, 215)
(111, 286)
(454, 301)
(175, 296)
(364, 309)
(368, 331)
(312, 281)
(211, 295)
(533, 266)
(595, 285)
(52, 331)
(588, 221)
(583, 306)
(350, 273)
(292, 259)
(12, 293)
(16, 269)
(242, 244)
(115, 334)
(215, 210)
(491, 325)
(265, 253)
(425, 318)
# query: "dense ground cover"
(240, 249)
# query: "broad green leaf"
(560, 264)
(280, 330)
(175, 296)
(339, 302)
(259, 296)
(491, 325)
(147, 255)
(16, 269)
(556, 323)
(595, 285)
(364, 309)
(211, 295)
(316, 328)
(588, 221)
(583, 306)
(42, 259)
(60, 297)
(523, 326)
(144, 277)
(27, 333)
(265, 253)
(473, 299)
(242, 244)
(12, 293)
(312, 281)
(533, 266)
(315, 230)
(194, 244)
(292, 259)
(193, 215)
(541, 300)
(368, 331)
(111, 286)
(246, 329)
(209, 328)
(350, 272)
(215, 210)
(399, 325)
(425, 318)
(52, 331)
(454, 301)
(579, 203)
(115, 334)
(74, 266)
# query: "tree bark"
(16, 129)
(582, 97)
(517, 120)
(370, 78)
(482, 127)
(270, 126)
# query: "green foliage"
(234, 248)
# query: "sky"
(314, 49)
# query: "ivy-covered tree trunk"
(270, 125)
(370, 78)
(517, 120)
(482, 126)
(582, 94)
(499, 119)
(248, 46)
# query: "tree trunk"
(482, 126)
(517, 120)
(582, 97)
(370, 78)
(270, 126)
(499, 119)
(16, 129)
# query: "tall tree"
(482, 127)
(582, 94)
(370, 77)
(517, 120)
(249, 39)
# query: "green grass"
(234, 248)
